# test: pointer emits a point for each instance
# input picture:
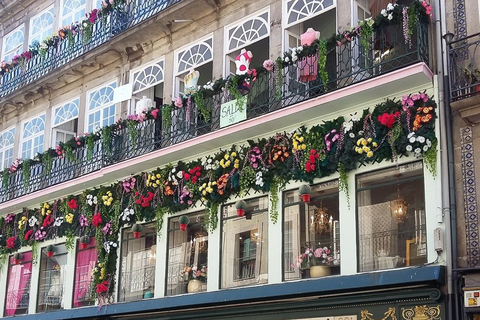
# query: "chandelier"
(398, 208)
(321, 221)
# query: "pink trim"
(411, 76)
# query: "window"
(148, 81)
(41, 25)
(72, 11)
(137, 265)
(53, 261)
(86, 259)
(18, 286)
(65, 121)
(101, 111)
(391, 218)
(13, 43)
(32, 137)
(244, 244)
(187, 256)
(311, 232)
(300, 10)
(7, 140)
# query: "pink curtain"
(18, 285)
(86, 260)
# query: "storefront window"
(86, 259)
(18, 287)
(137, 265)
(391, 218)
(51, 288)
(187, 255)
(311, 239)
(244, 244)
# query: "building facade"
(224, 159)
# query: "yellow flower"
(366, 149)
(359, 141)
(360, 150)
(364, 142)
(370, 154)
(158, 176)
(226, 156)
(300, 139)
(369, 140)
(374, 144)
(304, 146)
(69, 218)
(227, 164)
(234, 154)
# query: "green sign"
(233, 112)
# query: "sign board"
(472, 298)
(233, 112)
(122, 93)
(352, 317)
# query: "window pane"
(244, 244)
(86, 259)
(72, 11)
(18, 287)
(137, 269)
(187, 256)
(311, 232)
(52, 278)
(13, 44)
(391, 218)
(41, 26)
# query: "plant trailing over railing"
(322, 62)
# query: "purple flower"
(107, 229)
(40, 234)
(9, 217)
(83, 221)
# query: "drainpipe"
(447, 156)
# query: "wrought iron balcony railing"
(120, 20)
(346, 64)
(464, 67)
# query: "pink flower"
(178, 102)
(268, 65)
(154, 113)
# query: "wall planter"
(320, 271)
(84, 241)
(17, 257)
(241, 205)
(137, 230)
(305, 192)
(51, 250)
(183, 221)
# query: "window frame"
(101, 108)
(43, 30)
(36, 135)
(18, 48)
(62, 17)
(4, 149)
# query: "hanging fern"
(26, 173)
(274, 188)
(322, 62)
(167, 119)
(90, 146)
(132, 132)
(107, 139)
(343, 181)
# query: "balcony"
(464, 74)
(347, 65)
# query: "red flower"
(72, 204)
(28, 234)
(47, 221)
(11, 243)
(97, 219)
(388, 120)
(102, 287)
(154, 113)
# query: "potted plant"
(241, 205)
(51, 250)
(317, 261)
(305, 192)
(183, 221)
(137, 230)
(196, 278)
(17, 257)
(472, 78)
(84, 241)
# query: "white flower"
(421, 139)
(418, 151)
(179, 175)
(411, 134)
(58, 221)
(259, 179)
(287, 59)
(91, 200)
(32, 221)
(294, 58)
(351, 135)
(126, 214)
(300, 48)
(384, 12)
(412, 140)
(409, 148)
(390, 16)
(390, 6)
(425, 148)
(429, 143)
(347, 126)
(109, 244)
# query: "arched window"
(101, 110)
(195, 55)
(300, 10)
(41, 25)
(32, 137)
(65, 121)
(7, 140)
(148, 77)
(13, 43)
(249, 31)
(72, 11)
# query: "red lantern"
(240, 212)
(183, 226)
(306, 197)
(137, 234)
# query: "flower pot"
(183, 226)
(240, 212)
(83, 245)
(137, 234)
(195, 286)
(320, 271)
(16, 261)
(50, 254)
(306, 197)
